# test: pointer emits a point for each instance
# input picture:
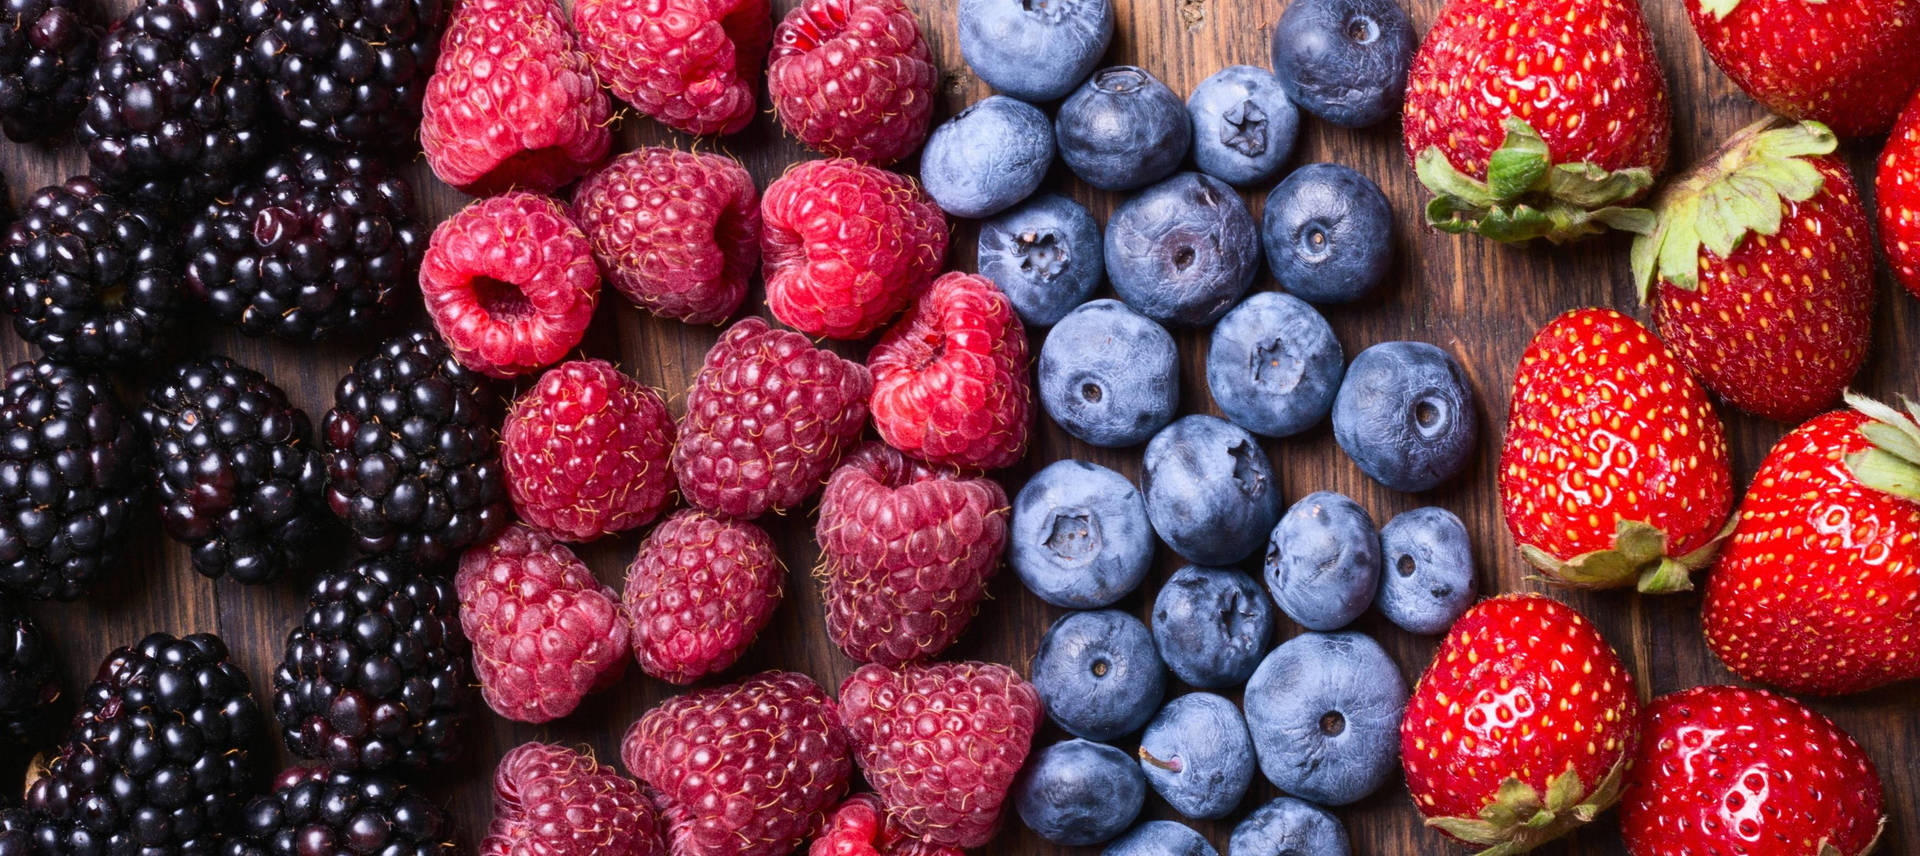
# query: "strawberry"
(1760, 271)
(1898, 189)
(1615, 468)
(1523, 728)
(1849, 64)
(1818, 590)
(1537, 118)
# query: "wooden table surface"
(1477, 300)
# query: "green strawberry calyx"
(1521, 818)
(1526, 195)
(1892, 463)
(1638, 556)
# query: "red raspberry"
(544, 631)
(678, 233)
(585, 451)
(847, 246)
(747, 769)
(510, 283)
(853, 78)
(554, 801)
(698, 593)
(512, 102)
(767, 419)
(950, 379)
(908, 549)
(690, 64)
(941, 743)
(859, 827)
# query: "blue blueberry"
(1344, 60)
(1080, 536)
(1161, 838)
(1098, 675)
(1274, 365)
(1183, 250)
(1405, 414)
(1198, 756)
(1328, 234)
(1210, 490)
(1243, 125)
(1426, 581)
(1324, 710)
(1288, 827)
(1323, 561)
(1034, 51)
(987, 158)
(1123, 129)
(1045, 255)
(1079, 792)
(1109, 375)
(1211, 626)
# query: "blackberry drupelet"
(29, 684)
(47, 47)
(313, 811)
(239, 478)
(72, 471)
(413, 465)
(347, 71)
(90, 278)
(16, 830)
(376, 676)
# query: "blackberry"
(376, 675)
(72, 470)
(240, 479)
(16, 831)
(413, 465)
(313, 811)
(29, 684)
(160, 756)
(47, 47)
(90, 278)
(347, 71)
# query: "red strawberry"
(1522, 729)
(1760, 271)
(1739, 771)
(1818, 590)
(1898, 189)
(1615, 467)
(1849, 64)
(950, 379)
(1537, 118)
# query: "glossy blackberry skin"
(47, 48)
(16, 830)
(376, 676)
(316, 811)
(413, 465)
(72, 475)
(347, 71)
(313, 246)
(29, 681)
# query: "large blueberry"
(1210, 490)
(1243, 125)
(1427, 579)
(1328, 234)
(1098, 675)
(1323, 561)
(1274, 365)
(1079, 792)
(1405, 415)
(1344, 60)
(1198, 756)
(1289, 827)
(1182, 251)
(1161, 838)
(1034, 51)
(987, 158)
(1123, 129)
(1080, 535)
(1046, 256)
(1325, 710)
(1109, 375)
(1211, 626)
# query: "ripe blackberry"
(29, 685)
(16, 830)
(313, 245)
(47, 47)
(313, 811)
(347, 71)
(375, 677)
(413, 466)
(72, 469)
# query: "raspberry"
(586, 451)
(941, 743)
(767, 419)
(950, 379)
(698, 593)
(908, 549)
(544, 631)
(691, 64)
(853, 78)
(747, 769)
(847, 246)
(678, 233)
(512, 101)
(510, 283)
(554, 801)
(859, 827)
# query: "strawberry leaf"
(1638, 557)
(1526, 195)
(1892, 464)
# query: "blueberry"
(1328, 234)
(1035, 51)
(1080, 535)
(1079, 792)
(1344, 60)
(1211, 626)
(1045, 254)
(1323, 561)
(1289, 827)
(1183, 250)
(1210, 490)
(987, 158)
(1123, 129)
(1098, 675)
(1324, 710)
(1405, 415)
(1243, 125)
(1274, 365)
(1198, 756)
(1161, 838)
(1109, 375)
(1427, 578)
